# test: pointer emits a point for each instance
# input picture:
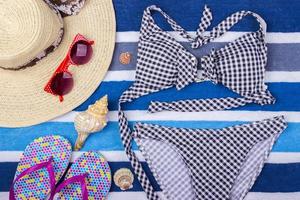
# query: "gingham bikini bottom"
(207, 164)
(200, 164)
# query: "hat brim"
(23, 101)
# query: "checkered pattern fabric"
(214, 156)
(252, 167)
(173, 176)
(136, 165)
(240, 65)
(162, 62)
(168, 168)
(198, 105)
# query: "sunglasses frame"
(64, 65)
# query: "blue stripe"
(278, 178)
(285, 93)
(278, 55)
(109, 139)
(279, 15)
(273, 178)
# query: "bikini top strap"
(205, 22)
(129, 95)
(199, 105)
(227, 24)
(176, 27)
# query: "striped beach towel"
(280, 178)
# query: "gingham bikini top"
(163, 63)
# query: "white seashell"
(90, 121)
(124, 178)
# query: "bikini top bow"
(188, 69)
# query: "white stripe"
(142, 196)
(276, 157)
(276, 76)
(111, 156)
(120, 156)
(272, 37)
(111, 196)
(138, 115)
(207, 116)
(125, 75)
(273, 196)
(128, 196)
(283, 76)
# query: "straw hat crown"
(35, 36)
(30, 26)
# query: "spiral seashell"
(125, 58)
(124, 178)
(92, 120)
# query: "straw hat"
(33, 29)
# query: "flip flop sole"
(36, 185)
(98, 179)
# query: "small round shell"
(124, 178)
(125, 58)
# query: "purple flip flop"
(89, 178)
(41, 166)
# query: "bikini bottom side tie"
(207, 164)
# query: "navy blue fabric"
(278, 55)
(279, 15)
(274, 177)
(278, 178)
(285, 93)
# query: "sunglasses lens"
(81, 53)
(62, 83)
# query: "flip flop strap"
(50, 170)
(73, 179)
